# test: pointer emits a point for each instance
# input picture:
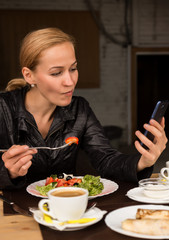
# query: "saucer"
(93, 213)
(138, 195)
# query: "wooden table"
(18, 227)
(21, 227)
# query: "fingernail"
(26, 147)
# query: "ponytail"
(16, 83)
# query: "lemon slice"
(81, 221)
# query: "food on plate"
(147, 226)
(152, 214)
(72, 140)
(92, 184)
(148, 221)
(89, 182)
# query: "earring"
(32, 85)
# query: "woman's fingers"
(18, 160)
(16, 153)
(155, 148)
(21, 166)
(157, 131)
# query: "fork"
(48, 148)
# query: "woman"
(40, 110)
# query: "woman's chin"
(65, 103)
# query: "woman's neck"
(41, 110)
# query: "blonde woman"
(40, 110)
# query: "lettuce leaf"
(92, 184)
(45, 189)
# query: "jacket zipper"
(32, 124)
(50, 133)
(55, 131)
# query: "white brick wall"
(110, 102)
(151, 23)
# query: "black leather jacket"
(17, 126)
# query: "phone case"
(157, 115)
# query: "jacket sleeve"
(109, 162)
(6, 182)
(6, 141)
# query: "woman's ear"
(28, 75)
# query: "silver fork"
(48, 148)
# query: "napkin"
(90, 217)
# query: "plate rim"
(132, 234)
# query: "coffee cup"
(65, 203)
(167, 164)
(165, 173)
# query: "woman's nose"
(68, 80)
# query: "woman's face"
(56, 75)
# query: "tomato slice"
(79, 180)
(61, 182)
(72, 140)
(49, 180)
(72, 181)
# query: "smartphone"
(157, 115)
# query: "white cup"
(65, 203)
(167, 164)
(165, 173)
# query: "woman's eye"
(73, 69)
(56, 74)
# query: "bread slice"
(147, 226)
(152, 214)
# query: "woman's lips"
(69, 93)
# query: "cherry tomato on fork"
(72, 140)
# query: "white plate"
(93, 213)
(138, 195)
(114, 219)
(109, 187)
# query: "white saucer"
(93, 213)
(138, 195)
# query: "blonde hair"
(33, 45)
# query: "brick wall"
(150, 23)
(110, 102)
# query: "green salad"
(44, 189)
(92, 184)
(89, 182)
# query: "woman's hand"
(18, 160)
(155, 148)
